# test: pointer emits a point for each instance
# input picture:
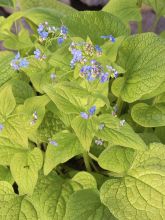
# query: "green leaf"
(149, 115)
(85, 130)
(142, 58)
(126, 10)
(67, 147)
(149, 137)
(8, 149)
(7, 3)
(157, 5)
(5, 175)
(85, 179)
(66, 98)
(24, 168)
(86, 204)
(160, 131)
(7, 102)
(119, 135)
(140, 193)
(13, 206)
(116, 159)
(78, 24)
(6, 71)
(53, 191)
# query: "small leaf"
(85, 179)
(116, 159)
(149, 116)
(85, 130)
(24, 168)
(5, 174)
(86, 204)
(67, 147)
(119, 135)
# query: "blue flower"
(53, 143)
(104, 77)
(19, 62)
(37, 54)
(60, 40)
(122, 122)
(110, 37)
(98, 49)
(40, 28)
(84, 115)
(99, 142)
(92, 110)
(116, 74)
(43, 34)
(77, 57)
(1, 127)
(64, 30)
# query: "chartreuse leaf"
(85, 130)
(140, 193)
(86, 204)
(6, 72)
(149, 115)
(34, 111)
(7, 150)
(85, 179)
(24, 168)
(5, 174)
(126, 10)
(13, 206)
(67, 147)
(142, 58)
(116, 159)
(116, 134)
(66, 97)
(7, 102)
(157, 5)
(51, 195)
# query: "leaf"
(24, 168)
(85, 130)
(7, 150)
(85, 179)
(159, 131)
(53, 191)
(7, 3)
(149, 115)
(21, 90)
(6, 71)
(116, 159)
(13, 206)
(157, 5)
(149, 137)
(5, 175)
(7, 102)
(142, 58)
(119, 135)
(86, 204)
(65, 102)
(79, 24)
(126, 10)
(67, 147)
(140, 193)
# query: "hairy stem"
(87, 161)
(119, 105)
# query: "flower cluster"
(90, 113)
(45, 30)
(113, 72)
(38, 55)
(18, 62)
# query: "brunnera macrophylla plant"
(82, 114)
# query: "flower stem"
(87, 161)
(119, 105)
(140, 27)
